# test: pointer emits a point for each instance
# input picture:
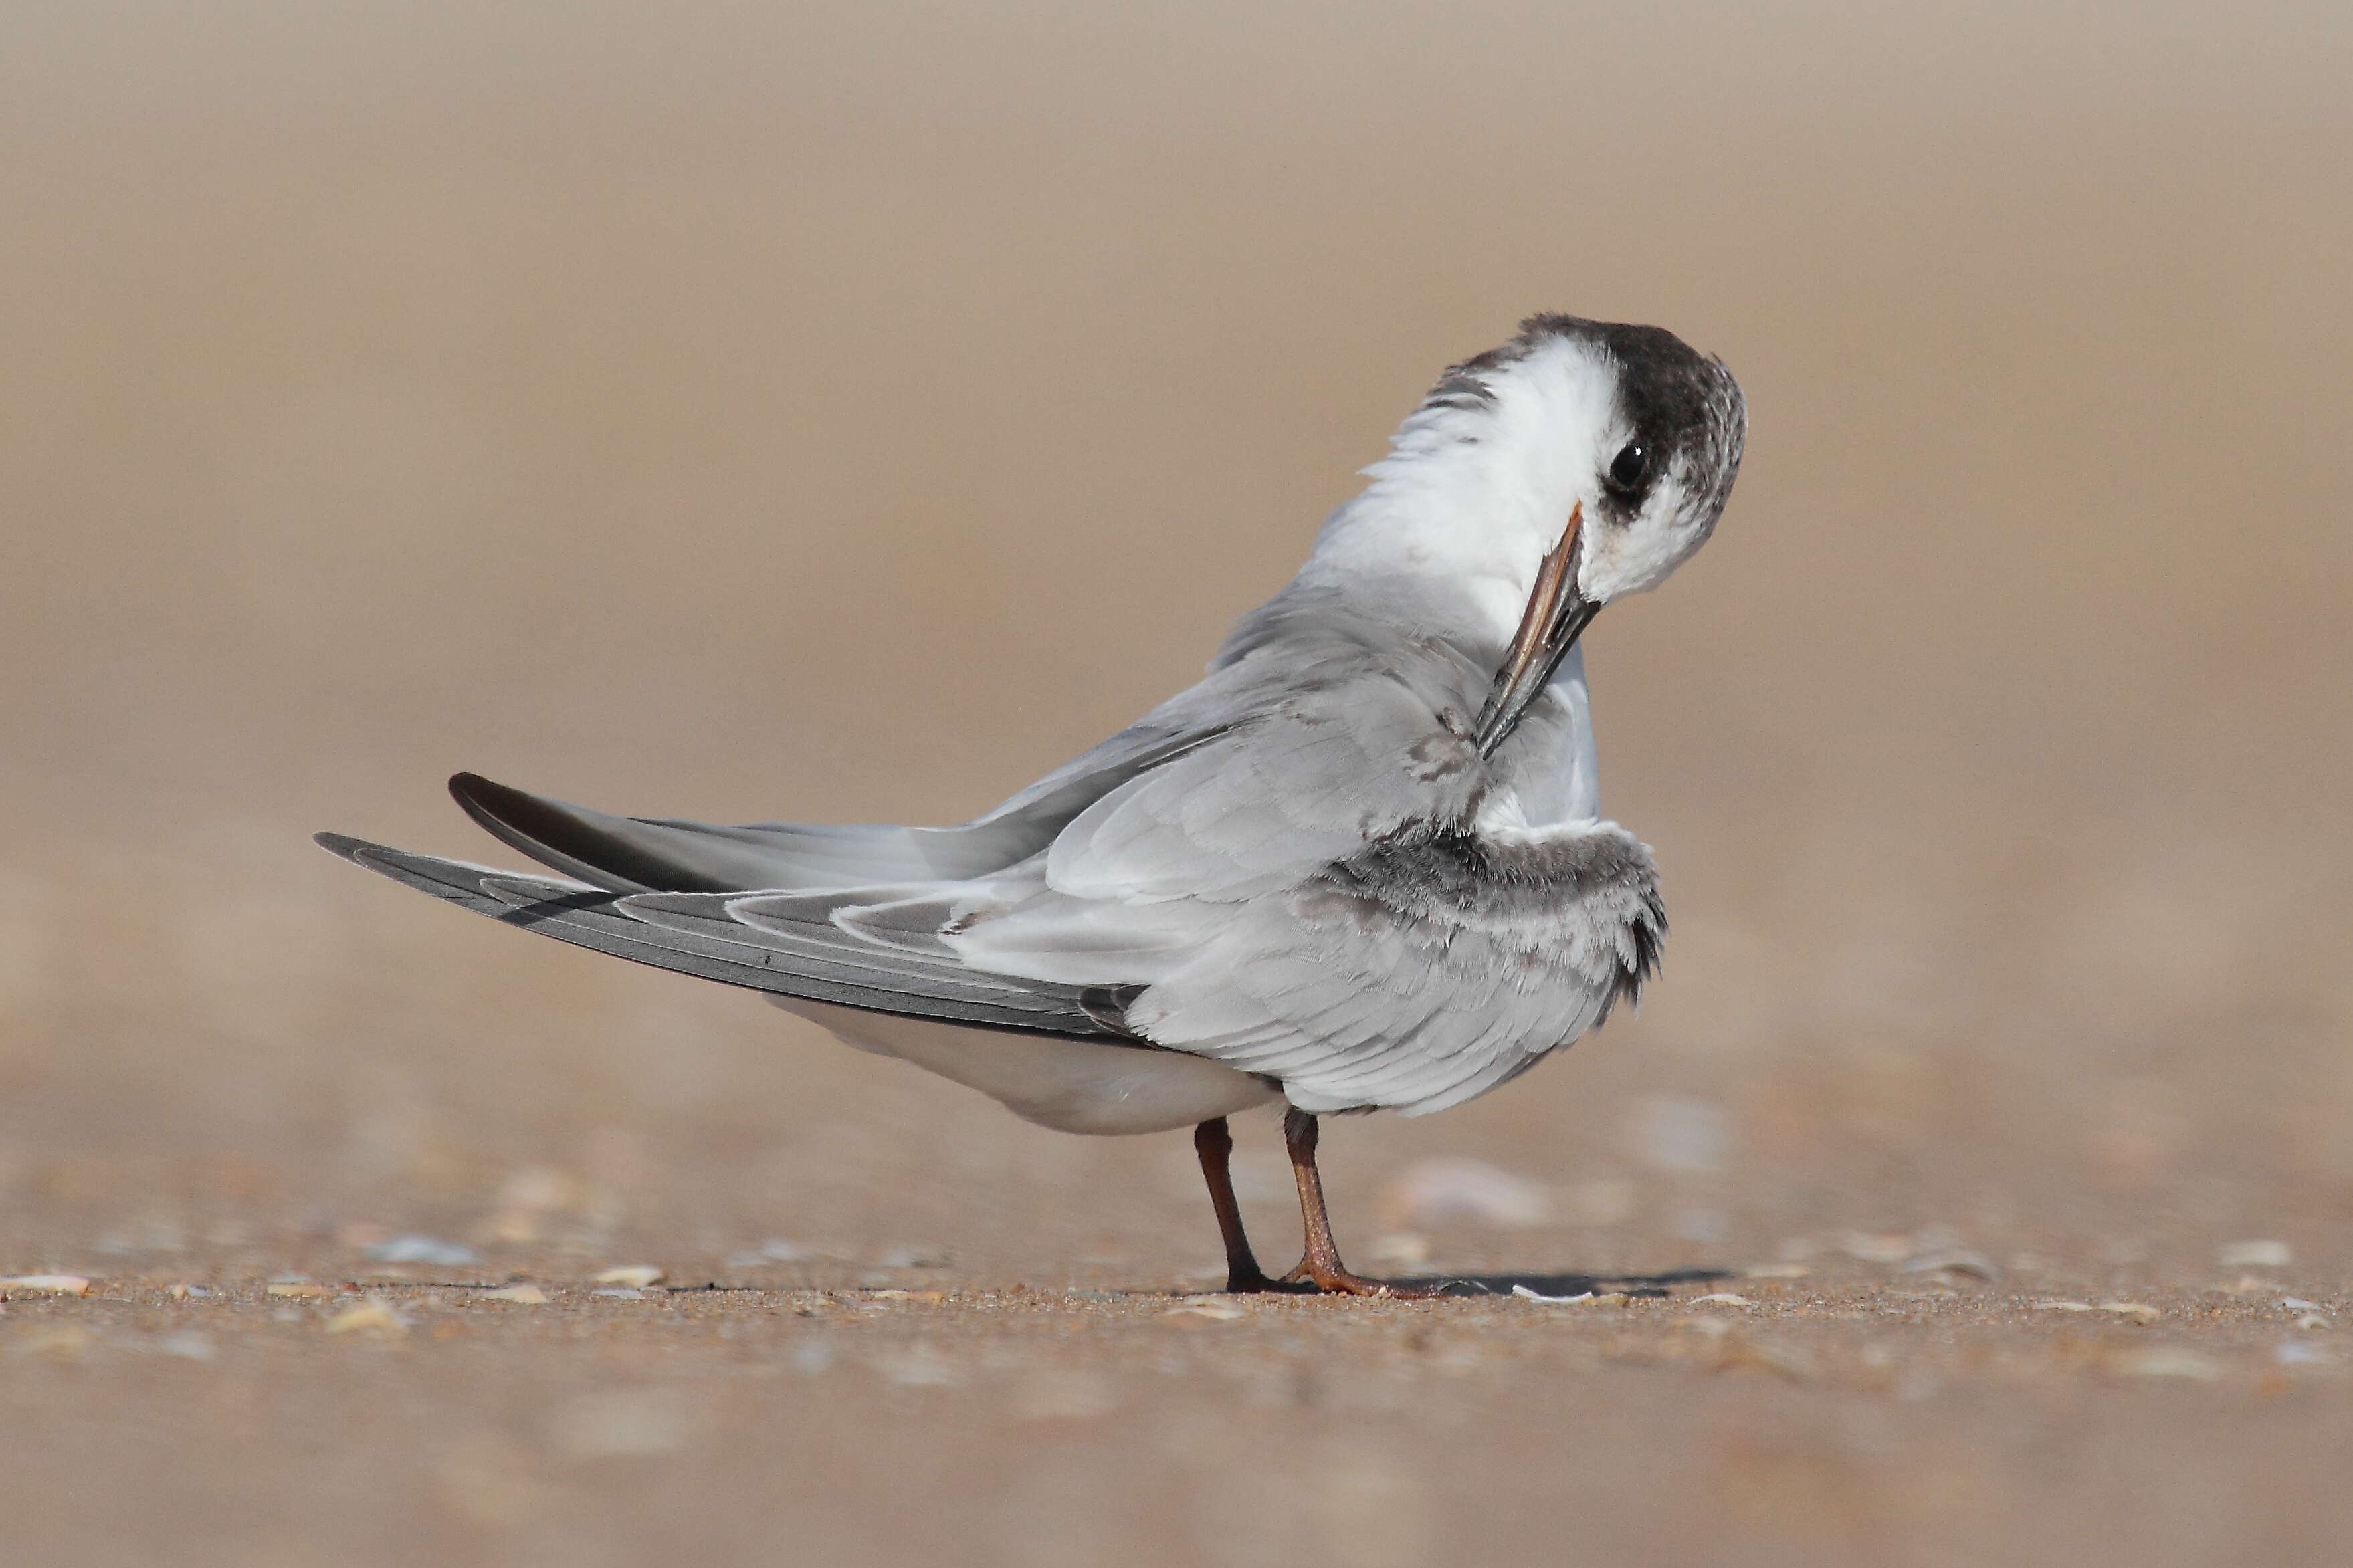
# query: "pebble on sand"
(529, 1295)
(1722, 1298)
(637, 1275)
(2138, 1312)
(46, 1284)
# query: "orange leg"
(1321, 1267)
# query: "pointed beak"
(1556, 613)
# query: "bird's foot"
(1334, 1279)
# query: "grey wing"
(1303, 899)
(791, 951)
(1418, 974)
(639, 855)
(636, 854)
(1140, 880)
(1154, 863)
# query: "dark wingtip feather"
(495, 804)
(575, 841)
(488, 801)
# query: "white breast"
(1569, 788)
(1071, 1086)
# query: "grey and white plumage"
(1359, 866)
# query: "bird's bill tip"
(1557, 614)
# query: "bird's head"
(1580, 462)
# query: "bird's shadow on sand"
(1561, 1284)
(1554, 1285)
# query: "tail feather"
(688, 934)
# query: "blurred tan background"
(846, 412)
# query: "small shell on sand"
(636, 1275)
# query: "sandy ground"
(1834, 1417)
(845, 413)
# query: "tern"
(1361, 866)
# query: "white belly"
(1072, 1086)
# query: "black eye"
(1629, 467)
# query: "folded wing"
(811, 959)
(640, 854)
(1337, 894)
